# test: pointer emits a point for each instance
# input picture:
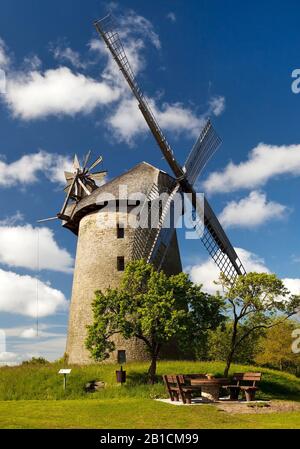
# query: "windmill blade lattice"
(204, 148)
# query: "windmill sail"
(165, 231)
(145, 234)
(157, 225)
(107, 31)
(205, 146)
(207, 143)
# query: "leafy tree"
(152, 307)
(256, 298)
(36, 361)
(218, 344)
(275, 347)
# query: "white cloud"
(128, 122)
(44, 331)
(217, 105)
(25, 170)
(13, 219)
(171, 16)
(56, 92)
(28, 333)
(55, 170)
(33, 248)
(133, 24)
(18, 295)
(10, 358)
(26, 348)
(32, 62)
(67, 54)
(34, 94)
(252, 211)
(263, 163)
(207, 272)
(293, 285)
(50, 348)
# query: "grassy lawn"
(32, 397)
(132, 413)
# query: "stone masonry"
(96, 263)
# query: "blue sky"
(230, 60)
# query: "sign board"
(64, 371)
(121, 357)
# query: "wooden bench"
(245, 382)
(179, 387)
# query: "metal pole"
(65, 381)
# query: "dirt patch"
(259, 407)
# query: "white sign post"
(65, 372)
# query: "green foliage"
(35, 361)
(254, 300)
(275, 348)
(153, 307)
(219, 342)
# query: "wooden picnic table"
(210, 388)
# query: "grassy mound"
(35, 382)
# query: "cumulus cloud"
(18, 295)
(33, 248)
(56, 92)
(207, 272)
(34, 94)
(25, 170)
(251, 211)
(263, 163)
(293, 285)
(128, 122)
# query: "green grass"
(44, 382)
(132, 413)
(33, 397)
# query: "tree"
(275, 348)
(152, 307)
(256, 298)
(218, 343)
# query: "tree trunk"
(232, 349)
(228, 362)
(152, 369)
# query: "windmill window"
(120, 231)
(120, 263)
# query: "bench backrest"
(172, 380)
(177, 380)
(247, 377)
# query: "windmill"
(150, 244)
(80, 182)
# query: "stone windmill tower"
(102, 253)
